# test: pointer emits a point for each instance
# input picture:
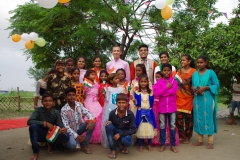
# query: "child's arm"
(159, 89)
(132, 128)
(172, 90)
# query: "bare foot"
(185, 141)
(150, 148)
(197, 144)
(34, 157)
(174, 149)
(140, 149)
(209, 146)
(49, 148)
(161, 149)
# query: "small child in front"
(235, 103)
(166, 89)
(120, 126)
(145, 119)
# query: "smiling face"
(164, 59)
(185, 62)
(143, 52)
(81, 63)
(116, 52)
(201, 64)
(75, 75)
(122, 104)
(121, 75)
(47, 102)
(60, 67)
(97, 62)
(115, 80)
(69, 66)
(166, 72)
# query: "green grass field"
(22, 94)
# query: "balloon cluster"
(29, 38)
(50, 3)
(166, 11)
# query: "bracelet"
(94, 121)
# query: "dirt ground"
(13, 145)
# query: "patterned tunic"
(79, 92)
(56, 85)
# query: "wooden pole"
(18, 97)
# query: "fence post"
(18, 99)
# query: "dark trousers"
(185, 125)
(38, 134)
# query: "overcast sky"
(13, 64)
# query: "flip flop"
(112, 156)
(230, 122)
(86, 150)
(125, 152)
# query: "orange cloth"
(97, 78)
(185, 97)
(79, 92)
(132, 70)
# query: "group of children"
(159, 108)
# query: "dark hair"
(69, 89)
(143, 46)
(139, 87)
(167, 65)
(74, 69)
(102, 71)
(163, 52)
(205, 59)
(160, 73)
(45, 95)
(121, 69)
(121, 96)
(95, 57)
(52, 71)
(110, 77)
(192, 63)
(84, 60)
(69, 60)
(89, 71)
(142, 66)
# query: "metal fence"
(16, 103)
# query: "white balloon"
(25, 37)
(33, 36)
(160, 4)
(47, 3)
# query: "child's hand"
(107, 123)
(116, 136)
(169, 85)
(134, 101)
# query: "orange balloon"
(29, 44)
(63, 1)
(16, 38)
(166, 12)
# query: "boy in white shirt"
(235, 103)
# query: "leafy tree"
(36, 74)
(84, 28)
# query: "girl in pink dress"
(92, 104)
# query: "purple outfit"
(117, 64)
(167, 97)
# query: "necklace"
(144, 91)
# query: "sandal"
(125, 152)
(112, 156)
(230, 122)
(86, 150)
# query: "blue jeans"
(71, 144)
(38, 134)
(171, 118)
(111, 130)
